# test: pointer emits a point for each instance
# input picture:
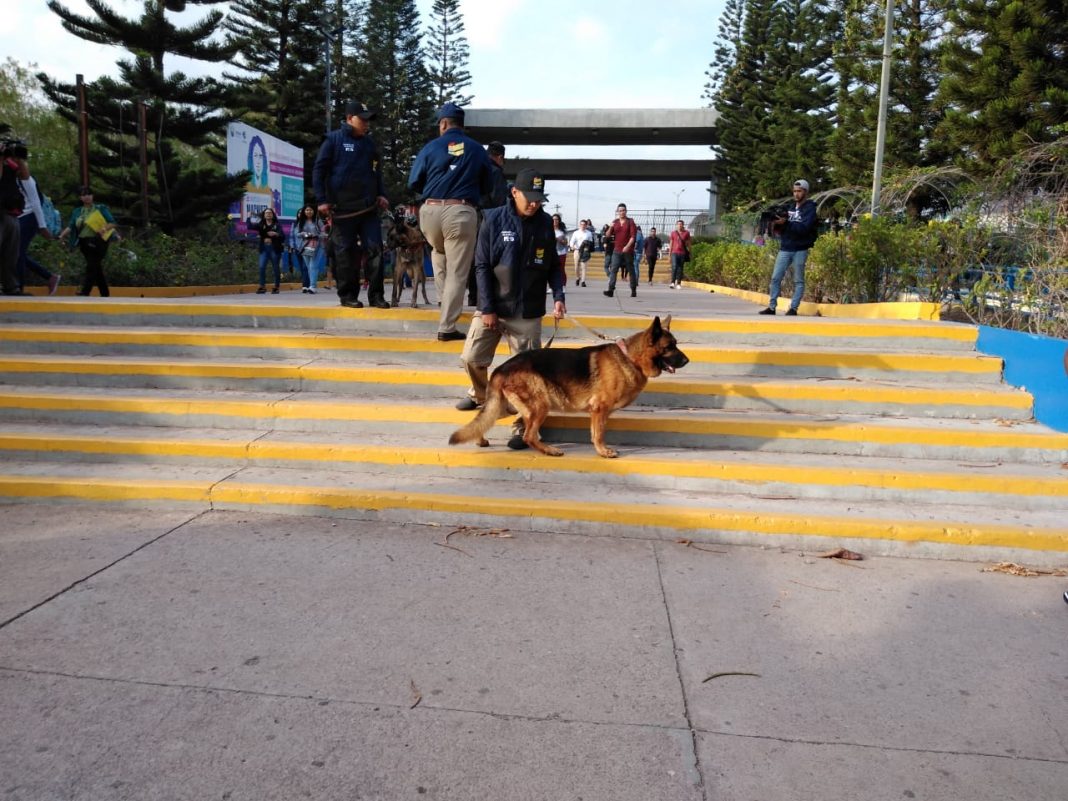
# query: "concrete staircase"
(889, 437)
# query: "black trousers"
(94, 249)
(353, 238)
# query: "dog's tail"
(487, 416)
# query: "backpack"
(53, 220)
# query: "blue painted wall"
(1035, 363)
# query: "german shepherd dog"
(597, 379)
(407, 242)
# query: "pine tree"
(740, 101)
(800, 96)
(1006, 78)
(398, 87)
(912, 113)
(280, 51)
(187, 180)
(447, 54)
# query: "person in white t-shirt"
(581, 245)
(32, 222)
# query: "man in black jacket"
(347, 177)
(515, 260)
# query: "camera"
(13, 148)
(772, 219)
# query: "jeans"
(624, 262)
(676, 268)
(309, 268)
(785, 258)
(267, 252)
(27, 231)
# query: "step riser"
(409, 393)
(363, 432)
(427, 324)
(64, 376)
(596, 485)
(1045, 549)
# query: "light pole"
(884, 102)
(677, 196)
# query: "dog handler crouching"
(515, 259)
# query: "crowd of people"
(344, 235)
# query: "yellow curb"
(463, 457)
(620, 514)
(905, 310)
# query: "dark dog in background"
(407, 243)
(597, 379)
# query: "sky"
(523, 54)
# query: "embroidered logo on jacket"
(456, 149)
(508, 236)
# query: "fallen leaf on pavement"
(840, 553)
(1014, 569)
(729, 673)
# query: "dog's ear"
(654, 329)
(667, 323)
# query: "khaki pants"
(481, 346)
(451, 232)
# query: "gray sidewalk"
(184, 655)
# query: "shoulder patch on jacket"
(456, 149)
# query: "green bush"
(736, 264)
(199, 257)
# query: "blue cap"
(450, 109)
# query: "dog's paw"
(483, 443)
(608, 453)
(549, 450)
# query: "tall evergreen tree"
(399, 87)
(912, 113)
(447, 54)
(1006, 78)
(184, 121)
(799, 97)
(280, 52)
(740, 100)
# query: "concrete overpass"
(637, 127)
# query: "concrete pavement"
(171, 654)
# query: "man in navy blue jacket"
(451, 174)
(347, 178)
(798, 234)
(514, 262)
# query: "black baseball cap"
(532, 184)
(495, 148)
(355, 108)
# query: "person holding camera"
(13, 155)
(797, 233)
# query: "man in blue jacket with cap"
(451, 174)
(347, 178)
(797, 234)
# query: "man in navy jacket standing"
(514, 263)
(347, 178)
(798, 234)
(451, 174)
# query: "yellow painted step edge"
(914, 362)
(622, 514)
(457, 458)
(747, 426)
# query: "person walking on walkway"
(451, 174)
(797, 233)
(652, 251)
(91, 228)
(347, 177)
(680, 253)
(582, 244)
(32, 222)
(272, 243)
(623, 232)
(514, 263)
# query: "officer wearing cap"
(798, 234)
(347, 178)
(450, 174)
(514, 263)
